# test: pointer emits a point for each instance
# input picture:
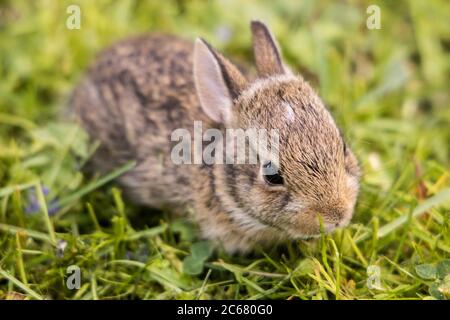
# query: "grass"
(387, 88)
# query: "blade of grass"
(94, 287)
(148, 233)
(20, 187)
(20, 284)
(13, 120)
(156, 274)
(93, 217)
(31, 233)
(337, 269)
(436, 200)
(202, 288)
(356, 249)
(440, 198)
(97, 184)
(57, 164)
(43, 206)
(19, 259)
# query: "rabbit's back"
(133, 97)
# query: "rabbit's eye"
(271, 174)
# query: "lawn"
(387, 88)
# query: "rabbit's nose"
(335, 214)
(342, 216)
(334, 217)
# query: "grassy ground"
(388, 90)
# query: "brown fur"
(141, 89)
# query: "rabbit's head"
(314, 176)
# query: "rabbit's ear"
(265, 50)
(217, 81)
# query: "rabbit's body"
(142, 89)
(136, 93)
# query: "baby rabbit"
(141, 89)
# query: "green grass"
(388, 90)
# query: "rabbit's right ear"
(217, 81)
(265, 50)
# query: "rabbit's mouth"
(330, 227)
(314, 230)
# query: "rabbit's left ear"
(218, 82)
(265, 50)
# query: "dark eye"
(271, 174)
